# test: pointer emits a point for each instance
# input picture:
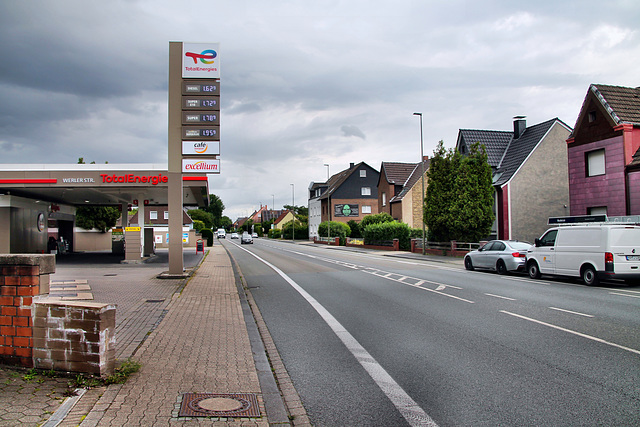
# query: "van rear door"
(625, 245)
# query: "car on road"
(221, 233)
(246, 238)
(502, 256)
(235, 236)
(254, 235)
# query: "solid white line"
(409, 409)
(580, 334)
(571, 312)
(500, 296)
(625, 295)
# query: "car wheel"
(533, 270)
(468, 264)
(589, 276)
(500, 267)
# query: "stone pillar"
(22, 277)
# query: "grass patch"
(123, 372)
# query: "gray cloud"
(302, 83)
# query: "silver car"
(502, 256)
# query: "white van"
(221, 233)
(591, 251)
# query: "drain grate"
(155, 300)
(219, 405)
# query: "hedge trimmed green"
(379, 232)
(338, 229)
(207, 234)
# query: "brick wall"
(74, 336)
(22, 277)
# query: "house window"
(591, 116)
(384, 199)
(595, 162)
(166, 214)
(598, 210)
(366, 209)
(153, 215)
(365, 191)
(363, 173)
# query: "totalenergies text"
(134, 179)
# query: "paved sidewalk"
(201, 346)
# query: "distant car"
(246, 238)
(221, 233)
(502, 256)
(254, 235)
(235, 236)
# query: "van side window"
(549, 239)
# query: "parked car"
(502, 256)
(246, 238)
(235, 236)
(591, 252)
(254, 235)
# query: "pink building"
(604, 153)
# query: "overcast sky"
(304, 83)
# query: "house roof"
(282, 216)
(416, 173)
(397, 173)
(495, 142)
(505, 153)
(338, 179)
(622, 103)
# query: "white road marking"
(580, 334)
(571, 312)
(410, 410)
(625, 295)
(500, 296)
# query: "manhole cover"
(219, 405)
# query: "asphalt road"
(373, 340)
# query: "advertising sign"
(200, 165)
(205, 148)
(200, 60)
(346, 210)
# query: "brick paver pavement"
(201, 345)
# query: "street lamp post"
(328, 207)
(293, 208)
(422, 164)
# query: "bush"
(416, 233)
(386, 231)
(355, 229)
(338, 229)
(301, 231)
(275, 233)
(198, 225)
(207, 234)
(375, 219)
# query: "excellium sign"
(201, 165)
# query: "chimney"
(351, 165)
(519, 126)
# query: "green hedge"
(385, 231)
(275, 233)
(338, 229)
(207, 234)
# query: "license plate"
(633, 257)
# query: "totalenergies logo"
(206, 56)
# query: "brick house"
(604, 153)
(400, 191)
(348, 195)
(530, 177)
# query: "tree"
(215, 208)
(101, 218)
(201, 215)
(459, 198)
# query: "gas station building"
(35, 197)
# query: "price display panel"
(208, 133)
(201, 117)
(201, 87)
(209, 103)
